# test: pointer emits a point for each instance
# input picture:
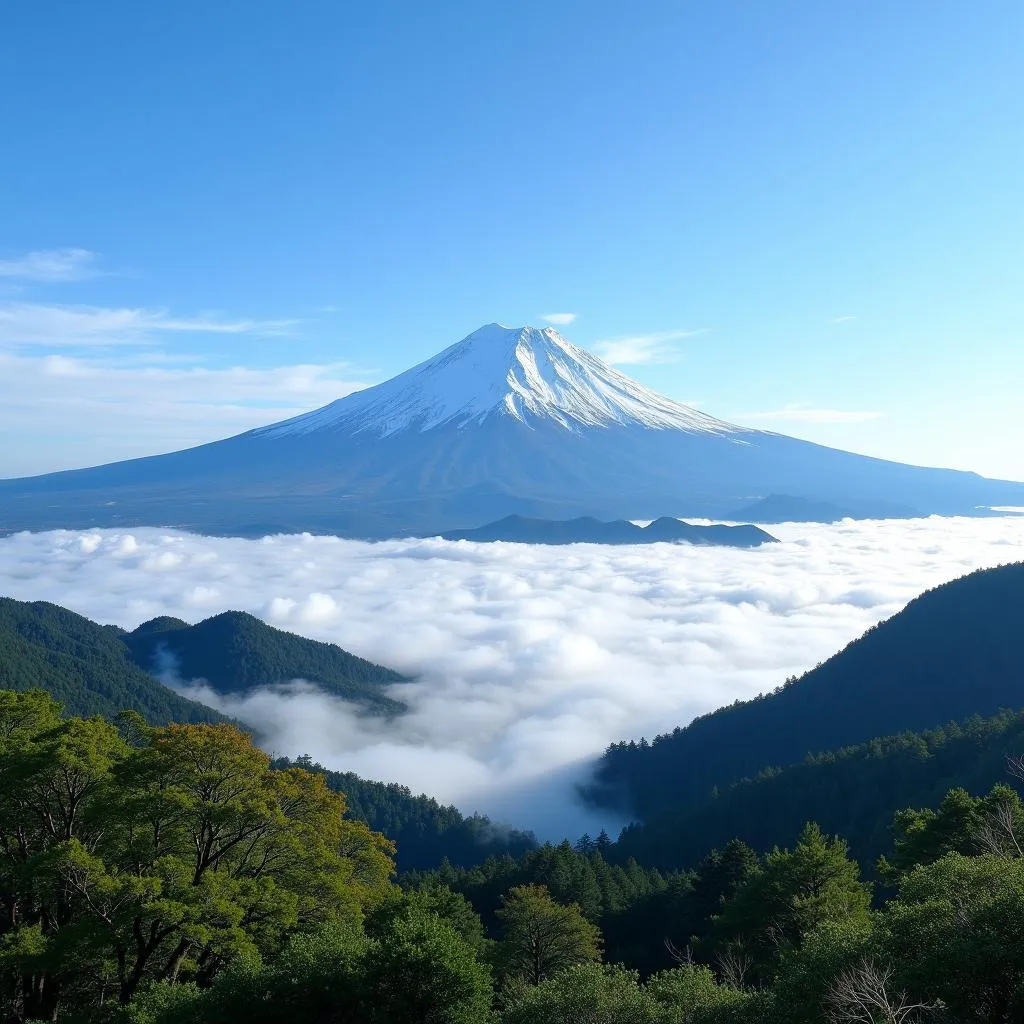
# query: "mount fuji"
(506, 421)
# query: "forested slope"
(955, 651)
(236, 652)
(854, 791)
(84, 665)
(426, 832)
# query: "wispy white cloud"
(657, 347)
(51, 265)
(69, 411)
(797, 413)
(558, 319)
(842, 319)
(527, 660)
(28, 323)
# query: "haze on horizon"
(215, 221)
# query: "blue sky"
(807, 217)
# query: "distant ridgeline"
(587, 530)
(953, 652)
(93, 669)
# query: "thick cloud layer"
(528, 660)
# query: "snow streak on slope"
(525, 373)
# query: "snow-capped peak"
(521, 372)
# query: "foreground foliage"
(172, 875)
(158, 854)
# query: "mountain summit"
(508, 421)
(520, 372)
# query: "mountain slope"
(426, 832)
(506, 421)
(84, 665)
(235, 652)
(853, 792)
(954, 651)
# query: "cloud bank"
(528, 660)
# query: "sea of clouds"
(528, 660)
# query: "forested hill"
(235, 652)
(955, 651)
(426, 832)
(854, 792)
(84, 665)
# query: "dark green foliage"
(173, 876)
(961, 824)
(956, 933)
(427, 833)
(953, 652)
(635, 908)
(691, 992)
(855, 792)
(84, 665)
(793, 893)
(808, 973)
(418, 970)
(422, 970)
(235, 652)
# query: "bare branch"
(998, 835)
(681, 956)
(861, 995)
(733, 965)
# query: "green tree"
(422, 970)
(541, 937)
(961, 824)
(454, 908)
(796, 891)
(583, 994)
(162, 861)
(315, 977)
(808, 974)
(956, 933)
(691, 992)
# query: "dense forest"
(855, 790)
(163, 875)
(953, 652)
(235, 652)
(95, 669)
(160, 873)
(425, 832)
(84, 665)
